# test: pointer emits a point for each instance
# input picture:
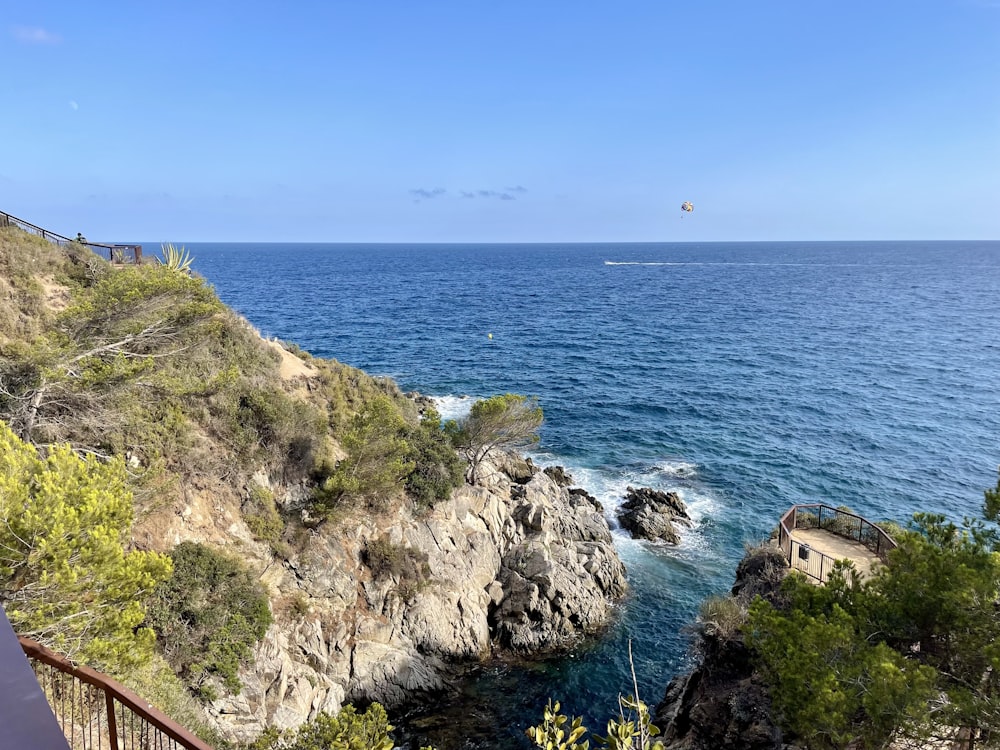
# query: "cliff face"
(723, 704)
(511, 565)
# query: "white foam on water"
(453, 407)
(679, 469)
(670, 475)
(640, 263)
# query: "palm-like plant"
(176, 258)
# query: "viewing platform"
(113, 253)
(814, 536)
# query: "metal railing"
(95, 712)
(834, 520)
(113, 253)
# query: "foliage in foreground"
(912, 653)
(67, 579)
(631, 729)
(208, 616)
(348, 730)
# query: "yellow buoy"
(489, 335)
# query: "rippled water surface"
(747, 376)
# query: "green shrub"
(388, 560)
(633, 728)
(377, 459)
(384, 558)
(157, 684)
(348, 730)
(262, 517)
(437, 469)
(208, 616)
(67, 576)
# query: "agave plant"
(176, 258)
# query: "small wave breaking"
(453, 407)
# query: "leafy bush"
(346, 391)
(830, 684)
(437, 469)
(348, 730)
(377, 459)
(632, 729)
(267, 423)
(910, 650)
(79, 381)
(158, 685)
(66, 579)
(208, 616)
(262, 517)
(388, 560)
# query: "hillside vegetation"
(162, 394)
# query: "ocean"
(745, 376)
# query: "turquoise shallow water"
(747, 376)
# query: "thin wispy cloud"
(420, 194)
(507, 194)
(35, 35)
(73, 105)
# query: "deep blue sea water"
(746, 376)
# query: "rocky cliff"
(507, 565)
(723, 704)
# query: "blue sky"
(518, 121)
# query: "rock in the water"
(651, 514)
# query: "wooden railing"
(95, 712)
(114, 253)
(840, 522)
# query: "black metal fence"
(113, 253)
(837, 521)
(95, 712)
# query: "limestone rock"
(559, 581)
(558, 475)
(515, 563)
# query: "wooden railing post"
(112, 719)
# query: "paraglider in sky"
(687, 206)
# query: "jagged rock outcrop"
(723, 704)
(515, 563)
(651, 514)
